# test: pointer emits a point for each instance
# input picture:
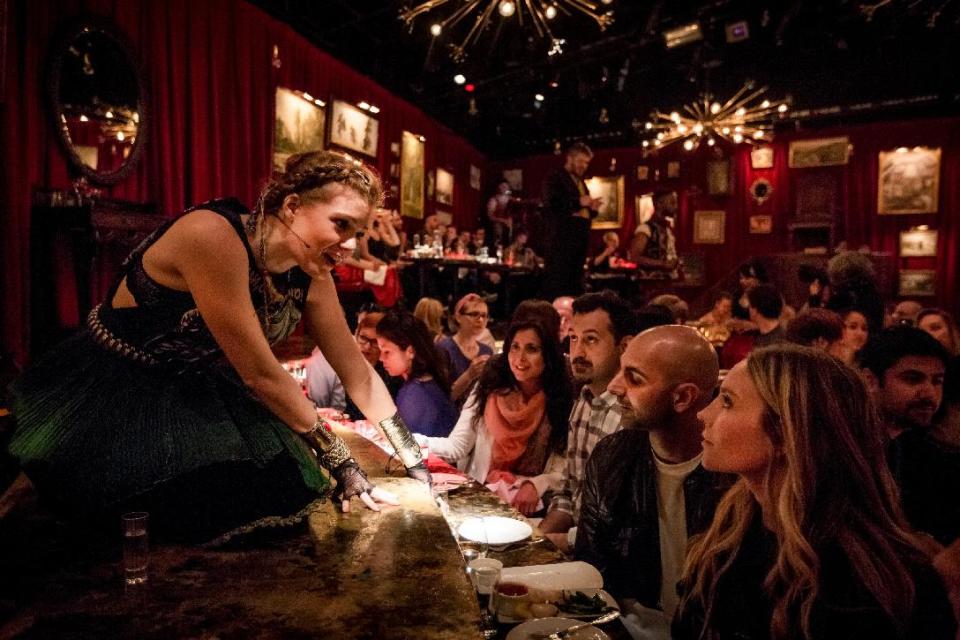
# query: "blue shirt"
(459, 362)
(426, 409)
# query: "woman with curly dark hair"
(511, 433)
(407, 351)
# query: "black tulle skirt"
(99, 435)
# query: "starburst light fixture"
(539, 13)
(744, 118)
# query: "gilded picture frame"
(353, 129)
(412, 175)
(917, 283)
(444, 192)
(709, 227)
(610, 191)
(299, 125)
(908, 181)
(819, 152)
(918, 243)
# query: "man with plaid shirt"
(602, 325)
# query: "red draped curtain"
(209, 67)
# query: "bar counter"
(396, 574)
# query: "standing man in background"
(568, 209)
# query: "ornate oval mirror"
(97, 96)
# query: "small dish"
(494, 530)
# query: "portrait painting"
(298, 126)
(610, 191)
(820, 152)
(411, 175)
(444, 192)
(709, 227)
(909, 181)
(353, 129)
(673, 169)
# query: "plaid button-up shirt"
(592, 419)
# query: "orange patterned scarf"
(512, 422)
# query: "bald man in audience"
(906, 312)
(645, 491)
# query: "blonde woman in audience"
(430, 312)
(811, 542)
(465, 353)
(512, 433)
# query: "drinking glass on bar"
(136, 548)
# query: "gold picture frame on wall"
(709, 227)
(918, 243)
(353, 129)
(909, 181)
(298, 126)
(819, 152)
(610, 191)
(917, 283)
(411, 175)
(444, 192)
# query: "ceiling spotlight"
(459, 78)
(364, 105)
(646, 143)
(538, 97)
(550, 12)
(307, 96)
(606, 1)
(648, 126)
(507, 8)
(423, 139)
(374, 109)
(554, 84)
(436, 29)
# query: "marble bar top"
(393, 575)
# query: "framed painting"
(673, 169)
(514, 178)
(298, 126)
(709, 227)
(917, 282)
(643, 208)
(918, 243)
(610, 191)
(820, 152)
(353, 129)
(475, 177)
(444, 187)
(909, 181)
(643, 172)
(411, 175)
(761, 158)
(718, 177)
(761, 224)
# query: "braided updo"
(311, 175)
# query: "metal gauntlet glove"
(406, 447)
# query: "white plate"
(494, 530)
(611, 602)
(562, 576)
(550, 625)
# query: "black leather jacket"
(619, 531)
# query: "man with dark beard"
(644, 491)
(905, 369)
(602, 324)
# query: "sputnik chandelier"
(539, 13)
(744, 118)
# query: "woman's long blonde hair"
(827, 485)
(430, 312)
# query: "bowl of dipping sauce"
(507, 595)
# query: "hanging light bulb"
(459, 78)
(741, 112)
(765, 104)
(648, 126)
(436, 29)
(675, 116)
(688, 144)
(782, 108)
(758, 135)
(737, 138)
(507, 8)
(698, 128)
(715, 108)
(550, 12)
(711, 141)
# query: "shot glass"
(136, 547)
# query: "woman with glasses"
(171, 401)
(465, 353)
(512, 433)
(407, 351)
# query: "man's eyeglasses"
(364, 341)
(475, 314)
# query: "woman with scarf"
(511, 435)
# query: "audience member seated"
(645, 491)
(466, 355)
(752, 272)
(941, 326)
(430, 312)
(478, 240)
(678, 308)
(905, 312)
(713, 324)
(811, 541)
(564, 307)
(821, 329)
(407, 351)
(856, 331)
(766, 304)
(905, 368)
(511, 434)
(853, 286)
(536, 310)
(608, 256)
(518, 253)
(603, 324)
(381, 241)
(652, 315)
(323, 385)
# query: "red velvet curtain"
(857, 220)
(211, 78)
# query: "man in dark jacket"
(644, 491)
(567, 210)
